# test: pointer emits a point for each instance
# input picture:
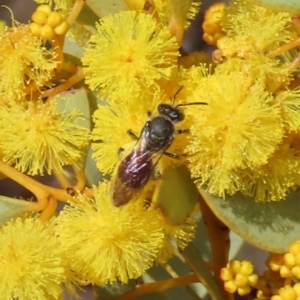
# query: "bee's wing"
(122, 193)
(135, 170)
(133, 174)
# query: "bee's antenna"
(175, 95)
(192, 103)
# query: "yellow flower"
(129, 53)
(167, 9)
(183, 12)
(23, 59)
(273, 180)
(240, 127)
(39, 138)
(288, 292)
(47, 22)
(238, 277)
(290, 102)
(212, 23)
(31, 261)
(243, 24)
(104, 243)
(269, 72)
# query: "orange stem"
(294, 64)
(296, 21)
(64, 86)
(75, 12)
(79, 173)
(218, 234)
(284, 48)
(58, 44)
(158, 286)
(266, 291)
(49, 211)
(42, 192)
(68, 67)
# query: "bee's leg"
(180, 131)
(172, 155)
(149, 113)
(132, 135)
(120, 152)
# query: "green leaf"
(193, 258)
(106, 7)
(75, 99)
(92, 175)
(270, 226)
(87, 16)
(290, 5)
(180, 9)
(176, 195)
(11, 208)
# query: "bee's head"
(174, 113)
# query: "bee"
(155, 138)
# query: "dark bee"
(156, 137)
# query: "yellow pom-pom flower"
(23, 59)
(290, 102)
(31, 261)
(104, 243)
(243, 25)
(128, 55)
(240, 127)
(273, 180)
(40, 138)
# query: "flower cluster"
(47, 22)
(239, 277)
(288, 265)
(245, 138)
(288, 293)
(276, 283)
(25, 62)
